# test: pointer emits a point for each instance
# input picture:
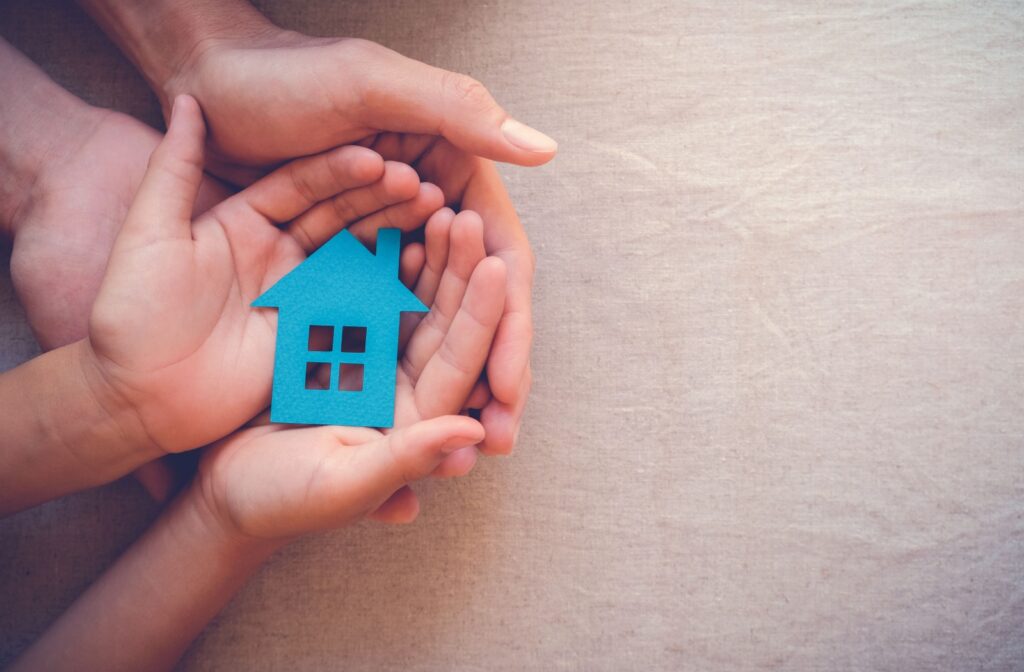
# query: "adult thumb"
(166, 196)
(405, 95)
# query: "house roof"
(343, 275)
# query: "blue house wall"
(373, 406)
(340, 285)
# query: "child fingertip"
(469, 434)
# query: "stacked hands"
(137, 270)
(178, 357)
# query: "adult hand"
(73, 170)
(172, 333)
(67, 224)
(270, 94)
(277, 94)
(358, 89)
(469, 181)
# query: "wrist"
(37, 128)
(212, 523)
(63, 431)
(113, 411)
(166, 39)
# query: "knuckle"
(344, 210)
(359, 49)
(302, 187)
(455, 363)
(467, 90)
(399, 460)
(303, 237)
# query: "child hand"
(172, 334)
(274, 482)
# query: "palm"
(274, 482)
(172, 326)
(69, 222)
(472, 182)
(191, 341)
(281, 94)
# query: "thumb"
(406, 95)
(366, 478)
(165, 199)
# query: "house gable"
(345, 277)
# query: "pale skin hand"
(172, 330)
(175, 358)
(271, 94)
(270, 482)
(75, 169)
(265, 485)
(70, 172)
(65, 229)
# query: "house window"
(334, 358)
(317, 376)
(350, 377)
(353, 339)
(321, 339)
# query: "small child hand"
(172, 334)
(274, 482)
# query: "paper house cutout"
(341, 291)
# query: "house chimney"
(389, 242)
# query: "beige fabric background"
(778, 417)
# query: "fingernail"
(524, 137)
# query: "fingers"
(502, 421)
(296, 187)
(504, 237)
(436, 242)
(404, 216)
(365, 478)
(398, 183)
(410, 264)
(400, 508)
(449, 376)
(465, 251)
(459, 463)
(401, 94)
(164, 201)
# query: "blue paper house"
(339, 308)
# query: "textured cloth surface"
(778, 410)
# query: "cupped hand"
(64, 231)
(472, 182)
(271, 94)
(172, 332)
(275, 482)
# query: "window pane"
(318, 376)
(350, 378)
(353, 339)
(321, 339)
